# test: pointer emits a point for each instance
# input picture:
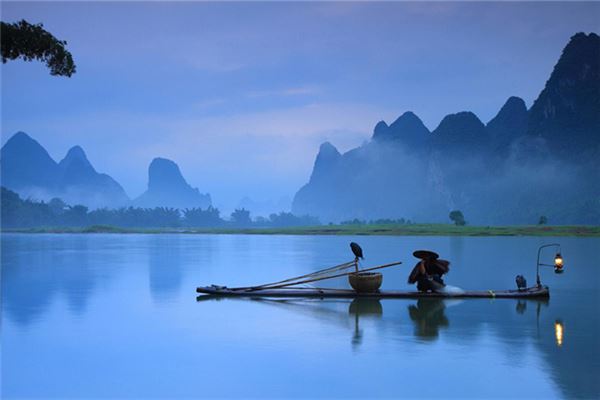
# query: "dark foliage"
(288, 219)
(457, 217)
(241, 217)
(23, 213)
(32, 42)
(202, 218)
(134, 217)
(19, 213)
(354, 221)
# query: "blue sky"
(240, 95)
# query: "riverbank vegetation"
(20, 213)
(347, 229)
(55, 216)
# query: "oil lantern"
(558, 263)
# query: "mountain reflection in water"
(110, 303)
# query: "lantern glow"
(558, 263)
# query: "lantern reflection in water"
(559, 329)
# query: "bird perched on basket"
(521, 282)
(358, 253)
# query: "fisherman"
(427, 274)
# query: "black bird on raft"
(356, 250)
(521, 282)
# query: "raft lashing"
(291, 287)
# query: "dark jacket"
(432, 267)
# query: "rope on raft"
(291, 282)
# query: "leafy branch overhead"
(32, 42)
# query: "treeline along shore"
(28, 216)
(367, 230)
(20, 213)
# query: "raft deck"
(532, 292)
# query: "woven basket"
(365, 282)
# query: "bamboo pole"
(319, 279)
(289, 280)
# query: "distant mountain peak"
(407, 118)
(579, 38)
(26, 164)
(19, 136)
(380, 130)
(408, 129)
(514, 103)
(76, 157)
(76, 152)
(328, 150)
(459, 131)
(28, 168)
(566, 113)
(168, 188)
(460, 120)
(164, 172)
(510, 122)
(327, 158)
(22, 140)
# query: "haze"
(241, 95)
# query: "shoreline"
(327, 230)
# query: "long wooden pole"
(318, 279)
(289, 280)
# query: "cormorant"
(521, 282)
(356, 250)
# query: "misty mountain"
(28, 169)
(521, 165)
(408, 129)
(460, 132)
(567, 112)
(81, 184)
(509, 124)
(168, 188)
(26, 165)
(326, 160)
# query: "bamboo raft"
(290, 288)
(532, 292)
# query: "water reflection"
(367, 308)
(428, 317)
(558, 332)
(521, 306)
(35, 273)
(56, 287)
(165, 272)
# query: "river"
(116, 316)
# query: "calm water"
(116, 316)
